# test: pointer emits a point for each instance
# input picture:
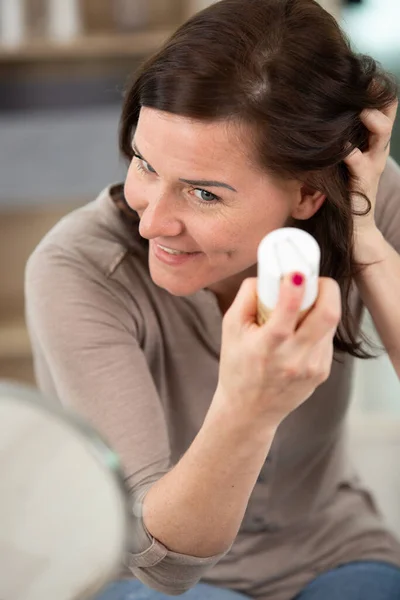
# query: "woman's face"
(197, 193)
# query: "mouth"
(172, 256)
(172, 251)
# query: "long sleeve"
(85, 332)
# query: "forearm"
(197, 507)
(379, 286)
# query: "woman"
(142, 308)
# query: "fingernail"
(298, 279)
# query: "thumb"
(244, 306)
(285, 315)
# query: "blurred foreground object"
(63, 506)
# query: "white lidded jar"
(12, 22)
(281, 252)
(130, 15)
(64, 20)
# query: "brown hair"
(285, 68)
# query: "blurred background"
(63, 68)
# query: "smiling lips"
(174, 251)
(171, 251)
(172, 257)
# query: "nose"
(160, 218)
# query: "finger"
(355, 161)
(243, 310)
(391, 110)
(284, 318)
(319, 358)
(380, 127)
(324, 317)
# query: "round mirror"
(63, 507)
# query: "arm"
(377, 234)
(185, 517)
(197, 508)
(379, 286)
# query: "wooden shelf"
(108, 45)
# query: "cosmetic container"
(281, 252)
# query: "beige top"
(142, 366)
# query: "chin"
(176, 286)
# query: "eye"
(206, 197)
(143, 164)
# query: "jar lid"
(284, 251)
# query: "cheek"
(268, 213)
(220, 238)
(254, 225)
(214, 231)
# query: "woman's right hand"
(267, 371)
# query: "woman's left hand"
(367, 167)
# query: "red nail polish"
(298, 279)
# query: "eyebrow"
(203, 182)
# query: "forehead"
(220, 145)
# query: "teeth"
(169, 251)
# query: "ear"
(309, 202)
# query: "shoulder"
(97, 236)
(92, 260)
(387, 212)
(388, 198)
